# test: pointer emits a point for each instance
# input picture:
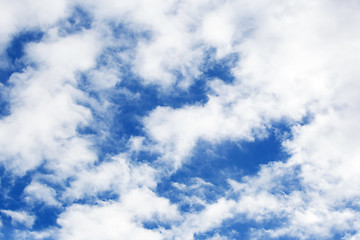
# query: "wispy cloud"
(20, 217)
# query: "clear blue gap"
(4, 104)
(352, 203)
(12, 189)
(341, 235)
(7, 229)
(12, 197)
(187, 207)
(154, 224)
(150, 225)
(221, 68)
(78, 21)
(218, 163)
(15, 51)
(46, 216)
(307, 119)
(107, 195)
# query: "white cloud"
(116, 175)
(109, 221)
(23, 15)
(20, 218)
(36, 191)
(114, 220)
(44, 107)
(180, 32)
(289, 68)
(297, 59)
(211, 217)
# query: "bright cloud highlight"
(179, 119)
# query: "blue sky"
(179, 120)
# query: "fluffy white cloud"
(211, 217)
(44, 107)
(116, 175)
(114, 220)
(23, 15)
(109, 221)
(297, 60)
(290, 67)
(36, 191)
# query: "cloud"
(22, 218)
(297, 66)
(288, 78)
(34, 14)
(44, 109)
(36, 191)
(121, 219)
(211, 217)
(116, 175)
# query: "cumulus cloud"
(44, 109)
(297, 66)
(40, 192)
(116, 175)
(121, 219)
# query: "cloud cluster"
(297, 67)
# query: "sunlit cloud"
(179, 119)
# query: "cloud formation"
(104, 115)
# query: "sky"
(179, 119)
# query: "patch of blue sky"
(352, 204)
(7, 230)
(155, 224)
(215, 164)
(107, 195)
(110, 59)
(45, 217)
(12, 198)
(342, 235)
(122, 31)
(78, 21)
(12, 189)
(219, 68)
(15, 52)
(150, 225)
(4, 104)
